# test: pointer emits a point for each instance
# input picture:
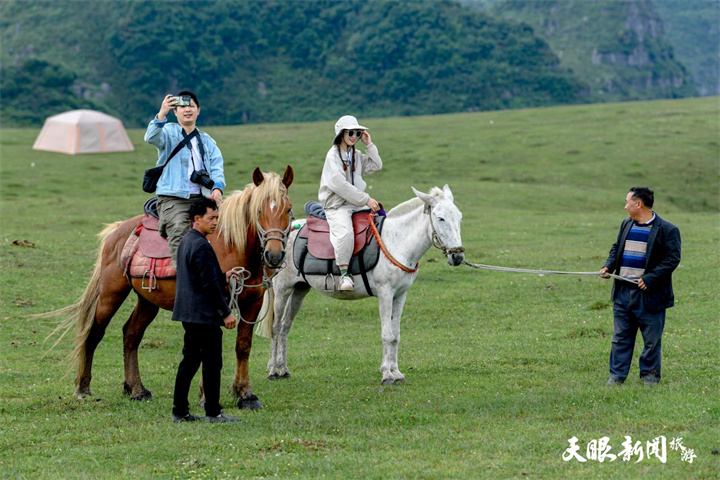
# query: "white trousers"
(342, 236)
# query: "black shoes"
(222, 418)
(185, 418)
(650, 380)
(614, 381)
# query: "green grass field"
(502, 369)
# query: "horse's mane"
(413, 203)
(239, 214)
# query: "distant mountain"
(619, 48)
(271, 61)
(693, 28)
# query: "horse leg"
(288, 306)
(133, 332)
(84, 373)
(390, 313)
(109, 301)
(246, 398)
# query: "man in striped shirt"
(647, 249)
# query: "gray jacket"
(336, 188)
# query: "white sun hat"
(347, 122)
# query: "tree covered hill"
(271, 61)
(285, 60)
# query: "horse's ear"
(428, 199)
(258, 176)
(288, 176)
(448, 194)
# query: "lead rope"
(545, 272)
(237, 285)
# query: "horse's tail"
(267, 312)
(81, 314)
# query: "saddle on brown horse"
(313, 254)
(146, 254)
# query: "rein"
(385, 250)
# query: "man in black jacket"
(201, 306)
(647, 249)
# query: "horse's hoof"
(82, 394)
(144, 395)
(278, 376)
(388, 381)
(250, 403)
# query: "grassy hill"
(502, 369)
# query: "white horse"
(409, 231)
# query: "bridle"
(264, 235)
(237, 284)
(437, 241)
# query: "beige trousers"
(342, 236)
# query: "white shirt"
(195, 164)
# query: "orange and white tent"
(83, 131)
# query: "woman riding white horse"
(342, 188)
(409, 231)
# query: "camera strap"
(183, 142)
(186, 140)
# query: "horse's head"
(274, 214)
(445, 220)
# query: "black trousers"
(202, 344)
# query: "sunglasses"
(356, 133)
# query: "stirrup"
(329, 276)
(152, 281)
(150, 275)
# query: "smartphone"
(183, 101)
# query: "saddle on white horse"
(313, 254)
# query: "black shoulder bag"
(152, 175)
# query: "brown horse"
(252, 231)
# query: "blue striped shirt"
(634, 256)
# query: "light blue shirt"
(175, 180)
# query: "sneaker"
(614, 381)
(222, 418)
(189, 417)
(346, 284)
